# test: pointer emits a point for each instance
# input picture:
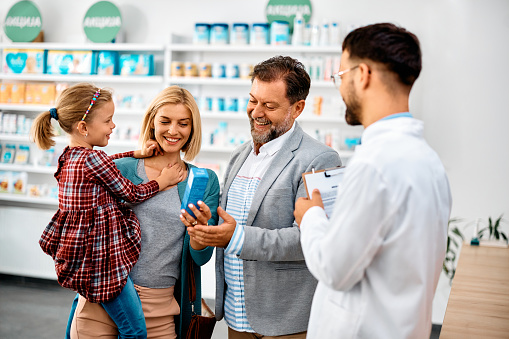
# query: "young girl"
(93, 238)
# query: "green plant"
(454, 239)
(494, 230)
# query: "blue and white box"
(137, 64)
(70, 62)
(195, 189)
(201, 34)
(107, 63)
(22, 61)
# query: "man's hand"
(217, 236)
(303, 204)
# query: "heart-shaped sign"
(16, 61)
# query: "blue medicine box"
(136, 64)
(107, 63)
(195, 189)
(70, 62)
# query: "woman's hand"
(202, 214)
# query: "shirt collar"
(275, 145)
(398, 115)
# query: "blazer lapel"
(233, 172)
(280, 161)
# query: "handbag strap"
(192, 285)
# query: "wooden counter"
(478, 305)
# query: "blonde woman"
(93, 240)
(160, 275)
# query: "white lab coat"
(379, 257)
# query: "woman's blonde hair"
(71, 106)
(174, 95)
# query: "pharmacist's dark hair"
(285, 68)
(385, 43)
(70, 108)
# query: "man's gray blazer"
(278, 286)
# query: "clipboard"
(328, 182)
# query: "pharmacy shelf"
(209, 81)
(41, 108)
(254, 48)
(142, 79)
(14, 137)
(26, 138)
(28, 168)
(26, 199)
(121, 47)
(233, 82)
(242, 116)
(23, 108)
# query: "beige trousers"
(232, 334)
(159, 306)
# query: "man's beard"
(274, 132)
(353, 108)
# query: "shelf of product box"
(224, 115)
(123, 47)
(23, 108)
(28, 168)
(127, 79)
(26, 139)
(217, 149)
(242, 116)
(232, 82)
(27, 199)
(128, 111)
(254, 48)
(208, 81)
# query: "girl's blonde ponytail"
(42, 132)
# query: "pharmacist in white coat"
(379, 255)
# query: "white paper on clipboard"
(328, 182)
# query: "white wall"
(462, 94)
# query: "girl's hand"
(150, 148)
(170, 176)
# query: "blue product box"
(137, 64)
(259, 34)
(195, 189)
(219, 34)
(70, 62)
(20, 61)
(239, 34)
(107, 63)
(279, 33)
(201, 34)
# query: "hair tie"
(53, 113)
(92, 102)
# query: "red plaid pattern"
(94, 238)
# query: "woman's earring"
(86, 135)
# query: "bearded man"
(263, 287)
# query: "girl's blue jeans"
(125, 311)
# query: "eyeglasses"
(337, 77)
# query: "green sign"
(23, 22)
(102, 22)
(285, 10)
